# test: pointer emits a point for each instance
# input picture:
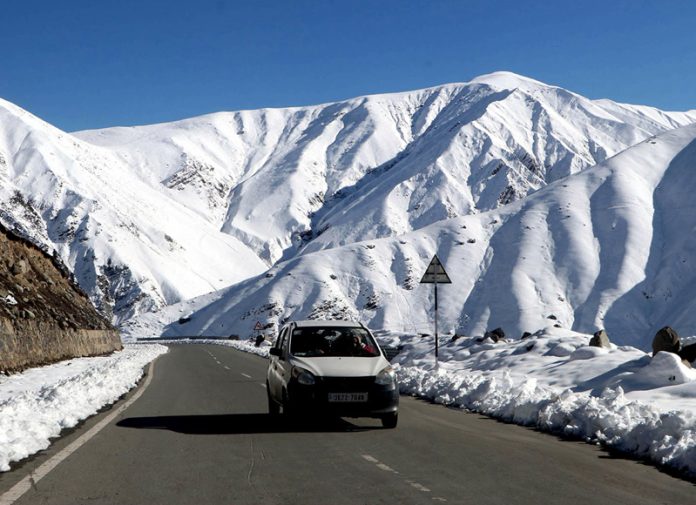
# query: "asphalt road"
(200, 434)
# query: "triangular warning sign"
(435, 273)
(258, 326)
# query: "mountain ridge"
(598, 249)
(152, 215)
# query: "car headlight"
(303, 376)
(386, 377)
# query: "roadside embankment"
(44, 316)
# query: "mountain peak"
(509, 80)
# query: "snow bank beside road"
(619, 397)
(35, 406)
(667, 438)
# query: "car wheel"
(288, 407)
(389, 421)
(273, 407)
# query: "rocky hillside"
(44, 316)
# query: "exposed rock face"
(600, 339)
(44, 317)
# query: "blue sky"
(88, 64)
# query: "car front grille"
(347, 384)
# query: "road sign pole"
(437, 340)
(436, 274)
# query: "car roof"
(324, 323)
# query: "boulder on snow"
(666, 340)
(495, 335)
(600, 339)
(688, 353)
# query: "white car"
(333, 367)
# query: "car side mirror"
(274, 351)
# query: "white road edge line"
(24, 485)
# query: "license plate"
(347, 397)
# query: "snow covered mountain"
(380, 165)
(611, 247)
(130, 246)
(152, 215)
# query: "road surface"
(200, 434)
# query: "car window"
(333, 342)
(281, 338)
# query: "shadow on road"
(225, 424)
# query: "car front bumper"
(381, 400)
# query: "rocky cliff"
(44, 316)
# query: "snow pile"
(618, 397)
(35, 406)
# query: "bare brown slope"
(44, 317)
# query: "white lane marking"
(262, 385)
(386, 468)
(247, 376)
(24, 485)
(419, 487)
(226, 367)
(378, 464)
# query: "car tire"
(288, 407)
(390, 421)
(273, 407)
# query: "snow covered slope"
(380, 165)
(611, 247)
(153, 215)
(131, 247)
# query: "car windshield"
(333, 342)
